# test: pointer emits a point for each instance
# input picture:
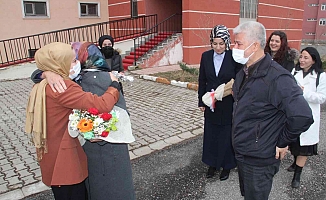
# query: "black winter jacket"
(288, 60)
(269, 111)
(116, 62)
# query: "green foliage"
(190, 70)
(324, 65)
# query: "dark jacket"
(288, 60)
(207, 80)
(115, 62)
(269, 111)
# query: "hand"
(202, 109)
(55, 81)
(281, 152)
(113, 78)
(95, 140)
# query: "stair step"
(128, 61)
(125, 66)
(131, 57)
(148, 45)
(137, 53)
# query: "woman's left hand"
(95, 140)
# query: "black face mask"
(108, 51)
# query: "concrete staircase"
(147, 48)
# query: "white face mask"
(238, 55)
(76, 69)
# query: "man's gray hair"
(253, 31)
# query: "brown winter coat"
(66, 162)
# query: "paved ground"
(161, 115)
(177, 173)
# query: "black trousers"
(256, 181)
(70, 192)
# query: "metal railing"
(167, 27)
(22, 49)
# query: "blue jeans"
(256, 181)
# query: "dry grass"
(179, 75)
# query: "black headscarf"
(105, 37)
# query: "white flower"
(74, 124)
(99, 129)
(74, 116)
(97, 121)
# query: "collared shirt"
(249, 70)
(218, 59)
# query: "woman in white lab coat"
(311, 78)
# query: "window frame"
(248, 9)
(322, 22)
(34, 15)
(323, 6)
(98, 6)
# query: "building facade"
(199, 18)
(314, 21)
(26, 17)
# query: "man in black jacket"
(269, 112)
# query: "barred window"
(35, 8)
(248, 9)
(89, 9)
(323, 6)
(322, 22)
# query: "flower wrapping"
(114, 127)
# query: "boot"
(210, 172)
(292, 167)
(296, 177)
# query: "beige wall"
(62, 14)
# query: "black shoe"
(296, 180)
(210, 172)
(291, 168)
(224, 174)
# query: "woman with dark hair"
(277, 47)
(217, 67)
(112, 56)
(312, 79)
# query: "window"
(313, 5)
(89, 9)
(310, 33)
(324, 34)
(134, 8)
(323, 6)
(311, 19)
(322, 22)
(35, 8)
(248, 9)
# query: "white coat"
(314, 96)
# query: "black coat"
(207, 80)
(269, 111)
(288, 60)
(116, 62)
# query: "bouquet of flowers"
(122, 77)
(91, 124)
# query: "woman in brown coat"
(62, 160)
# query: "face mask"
(238, 55)
(76, 70)
(108, 51)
